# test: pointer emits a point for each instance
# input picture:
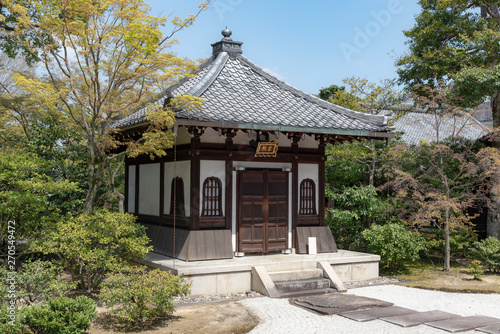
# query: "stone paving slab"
(415, 319)
(337, 303)
(495, 329)
(376, 313)
(464, 324)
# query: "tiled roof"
(417, 126)
(236, 91)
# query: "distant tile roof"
(238, 92)
(417, 126)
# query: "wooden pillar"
(195, 177)
(295, 185)
(230, 134)
(162, 190)
(136, 199)
(125, 204)
(321, 180)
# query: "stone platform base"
(235, 275)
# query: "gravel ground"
(279, 317)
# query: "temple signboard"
(267, 150)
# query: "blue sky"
(308, 44)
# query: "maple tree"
(435, 183)
(99, 60)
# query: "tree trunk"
(493, 222)
(447, 250)
(95, 180)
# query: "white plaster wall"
(209, 168)
(309, 171)
(242, 138)
(308, 142)
(180, 169)
(149, 189)
(183, 136)
(212, 136)
(131, 189)
(282, 139)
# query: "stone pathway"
(363, 309)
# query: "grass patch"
(427, 275)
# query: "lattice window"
(307, 198)
(212, 197)
(177, 193)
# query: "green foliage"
(456, 41)
(329, 92)
(488, 252)
(476, 270)
(37, 281)
(143, 294)
(62, 315)
(394, 243)
(91, 245)
(460, 240)
(354, 210)
(26, 194)
(346, 164)
(10, 318)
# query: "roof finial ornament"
(227, 34)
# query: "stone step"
(294, 275)
(301, 285)
(304, 293)
(289, 265)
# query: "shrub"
(488, 252)
(61, 316)
(91, 245)
(476, 270)
(38, 281)
(460, 240)
(10, 319)
(355, 208)
(143, 294)
(394, 243)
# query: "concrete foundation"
(235, 275)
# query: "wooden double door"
(262, 211)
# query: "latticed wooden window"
(212, 197)
(307, 198)
(177, 193)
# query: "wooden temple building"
(248, 173)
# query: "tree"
(456, 41)
(26, 195)
(101, 59)
(371, 98)
(435, 183)
(90, 246)
(329, 92)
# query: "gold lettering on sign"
(267, 150)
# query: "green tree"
(142, 294)
(100, 59)
(329, 92)
(354, 208)
(367, 97)
(26, 194)
(394, 243)
(90, 246)
(458, 42)
(435, 183)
